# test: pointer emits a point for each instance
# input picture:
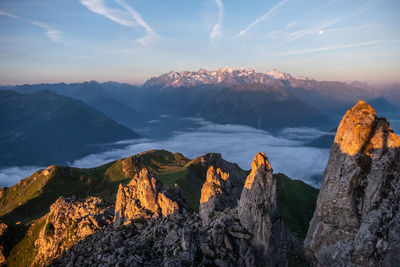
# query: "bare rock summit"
(144, 197)
(68, 222)
(357, 218)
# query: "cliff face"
(143, 197)
(221, 190)
(257, 203)
(68, 222)
(258, 213)
(357, 219)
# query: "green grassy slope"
(296, 203)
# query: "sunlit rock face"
(258, 214)
(357, 219)
(221, 190)
(68, 222)
(361, 130)
(143, 197)
(3, 230)
(258, 199)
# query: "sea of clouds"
(236, 143)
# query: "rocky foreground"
(241, 220)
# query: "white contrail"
(216, 31)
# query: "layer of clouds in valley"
(236, 143)
(11, 176)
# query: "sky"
(133, 40)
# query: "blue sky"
(132, 40)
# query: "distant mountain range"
(45, 128)
(325, 95)
(268, 101)
(260, 106)
(185, 93)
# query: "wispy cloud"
(272, 12)
(311, 30)
(53, 34)
(322, 27)
(3, 13)
(127, 16)
(216, 31)
(329, 48)
(291, 24)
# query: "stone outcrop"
(357, 219)
(249, 235)
(144, 197)
(3, 233)
(258, 212)
(221, 189)
(68, 222)
(176, 240)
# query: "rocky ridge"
(144, 197)
(221, 190)
(68, 222)
(357, 219)
(224, 76)
(185, 238)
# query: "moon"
(321, 32)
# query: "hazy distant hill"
(44, 128)
(260, 106)
(115, 100)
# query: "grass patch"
(296, 203)
(24, 252)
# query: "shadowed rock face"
(258, 199)
(143, 197)
(221, 189)
(68, 222)
(3, 229)
(357, 219)
(257, 211)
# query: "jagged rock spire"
(357, 219)
(222, 188)
(68, 222)
(257, 208)
(145, 197)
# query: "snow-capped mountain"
(224, 76)
(321, 94)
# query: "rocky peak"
(275, 74)
(143, 197)
(355, 128)
(68, 222)
(221, 190)
(360, 131)
(357, 219)
(257, 207)
(260, 165)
